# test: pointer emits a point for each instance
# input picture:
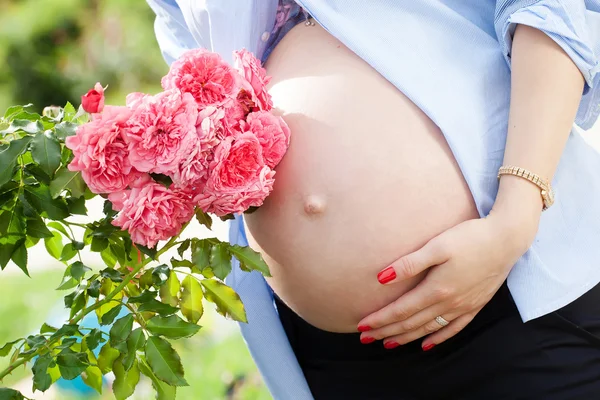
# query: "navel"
(314, 205)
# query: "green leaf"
(135, 341)
(170, 290)
(250, 260)
(108, 257)
(94, 289)
(203, 218)
(220, 260)
(9, 156)
(37, 228)
(92, 376)
(6, 252)
(41, 379)
(47, 328)
(11, 394)
(79, 302)
(40, 199)
(181, 263)
(25, 124)
(172, 327)
(76, 205)
(121, 329)
(160, 274)
(164, 361)
(12, 225)
(69, 112)
(14, 110)
(110, 316)
(69, 299)
(68, 282)
(147, 251)
(146, 280)
(38, 173)
(59, 227)
(142, 298)
(4, 350)
(66, 330)
(78, 270)
(191, 299)
(183, 247)
(125, 381)
(93, 339)
(54, 245)
(163, 390)
(99, 244)
(107, 357)
(45, 151)
(112, 274)
(31, 241)
(201, 254)
(8, 192)
(65, 129)
(66, 179)
(157, 307)
(228, 302)
(35, 341)
(19, 257)
(68, 252)
(66, 342)
(71, 364)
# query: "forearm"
(545, 93)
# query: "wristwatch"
(544, 185)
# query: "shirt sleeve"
(574, 25)
(221, 26)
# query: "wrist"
(517, 210)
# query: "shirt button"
(265, 36)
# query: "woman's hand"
(467, 265)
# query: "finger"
(449, 331)
(399, 340)
(414, 263)
(415, 322)
(410, 303)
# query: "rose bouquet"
(209, 141)
(207, 144)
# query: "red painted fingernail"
(387, 275)
(428, 347)
(367, 340)
(391, 345)
(364, 328)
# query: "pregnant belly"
(367, 179)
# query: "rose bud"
(93, 101)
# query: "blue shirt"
(452, 59)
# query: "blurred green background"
(53, 51)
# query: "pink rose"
(118, 198)
(272, 133)
(239, 177)
(236, 202)
(250, 68)
(100, 151)
(205, 75)
(193, 170)
(152, 212)
(93, 101)
(162, 131)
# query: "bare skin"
(368, 179)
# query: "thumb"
(413, 264)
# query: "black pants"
(497, 356)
